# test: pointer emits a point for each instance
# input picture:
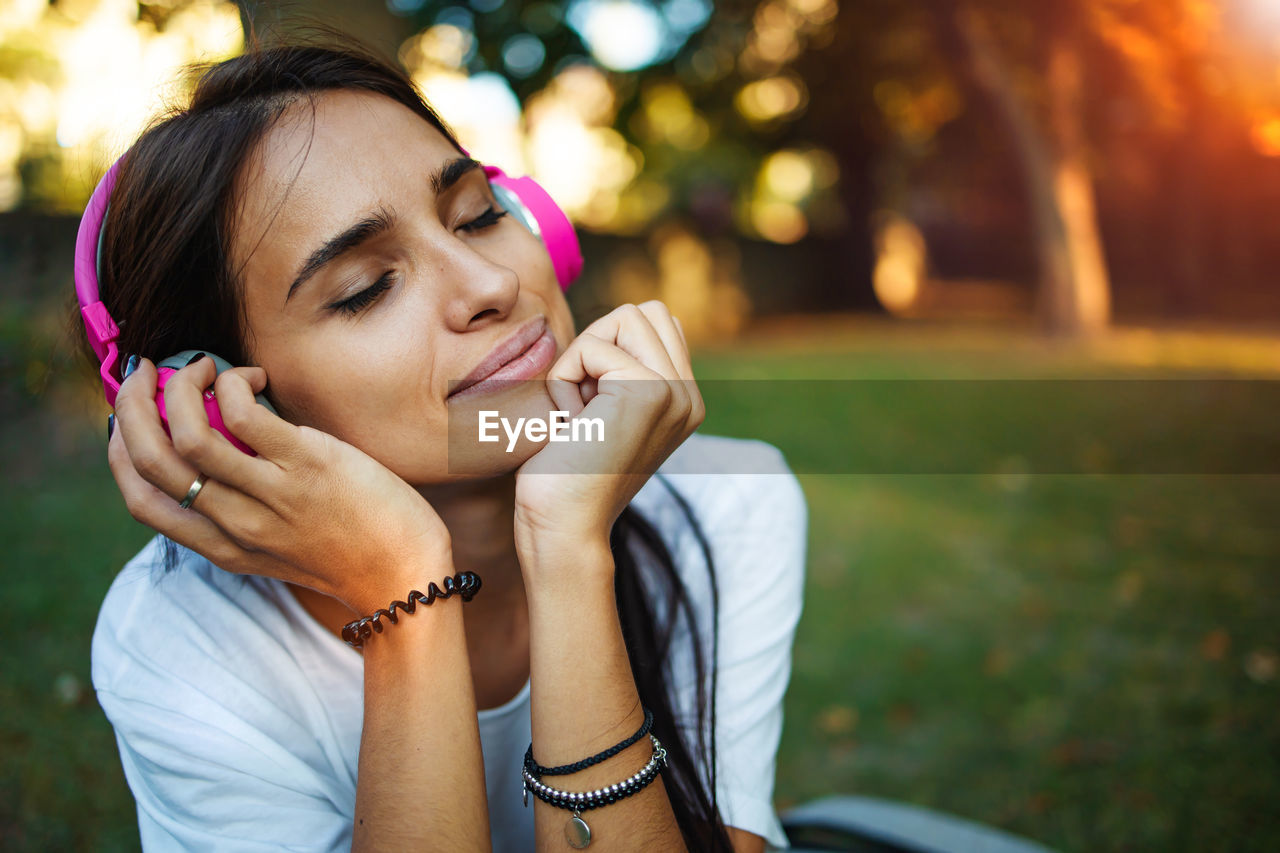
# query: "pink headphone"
(523, 198)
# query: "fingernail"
(130, 365)
(111, 425)
(195, 358)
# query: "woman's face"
(361, 338)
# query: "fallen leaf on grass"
(997, 661)
(1215, 644)
(1076, 752)
(1039, 802)
(902, 715)
(1128, 587)
(1261, 665)
(838, 720)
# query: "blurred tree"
(1045, 123)
(1042, 66)
(1077, 91)
(729, 112)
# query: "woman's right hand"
(309, 509)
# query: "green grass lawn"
(1089, 660)
(1086, 659)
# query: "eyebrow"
(379, 222)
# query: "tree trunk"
(1074, 294)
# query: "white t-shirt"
(238, 716)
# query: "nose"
(477, 290)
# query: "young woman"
(309, 215)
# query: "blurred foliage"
(1099, 151)
(79, 79)
(703, 115)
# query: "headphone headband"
(100, 328)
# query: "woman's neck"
(480, 516)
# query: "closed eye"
(356, 303)
(484, 220)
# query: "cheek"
(384, 411)
(542, 279)
(347, 388)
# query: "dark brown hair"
(166, 279)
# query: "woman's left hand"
(631, 369)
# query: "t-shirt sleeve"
(757, 528)
(217, 748)
(761, 598)
(200, 787)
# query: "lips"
(515, 345)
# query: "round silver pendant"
(577, 833)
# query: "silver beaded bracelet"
(576, 831)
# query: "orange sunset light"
(1266, 136)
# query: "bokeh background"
(925, 191)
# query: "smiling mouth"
(523, 355)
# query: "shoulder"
(725, 475)
(207, 679)
(149, 618)
(195, 640)
(140, 611)
(739, 498)
(718, 454)
(745, 499)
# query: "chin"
(484, 435)
(488, 463)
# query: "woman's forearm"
(584, 700)
(421, 776)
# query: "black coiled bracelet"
(463, 584)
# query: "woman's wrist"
(544, 547)
(374, 590)
(561, 562)
(428, 628)
(545, 536)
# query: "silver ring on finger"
(190, 498)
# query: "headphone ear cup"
(534, 208)
(171, 365)
(512, 204)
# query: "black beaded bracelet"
(536, 770)
(576, 831)
(463, 584)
